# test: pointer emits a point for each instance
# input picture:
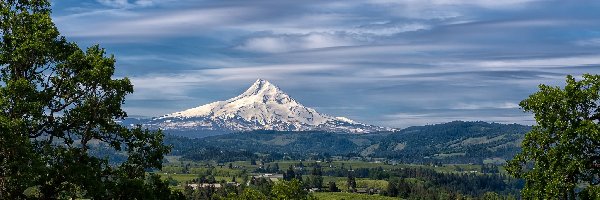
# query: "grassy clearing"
(363, 183)
(188, 177)
(179, 177)
(494, 161)
(327, 179)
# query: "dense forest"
(454, 142)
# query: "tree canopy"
(560, 156)
(56, 100)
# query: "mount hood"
(263, 106)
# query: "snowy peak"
(263, 91)
(263, 87)
(263, 106)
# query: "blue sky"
(384, 62)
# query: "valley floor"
(379, 179)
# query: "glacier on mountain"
(263, 106)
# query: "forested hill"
(453, 142)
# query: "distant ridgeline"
(453, 142)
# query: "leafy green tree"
(491, 196)
(290, 190)
(250, 194)
(589, 193)
(55, 100)
(561, 152)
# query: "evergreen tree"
(315, 179)
(299, 176)
(403, 189)
(333, 187)
(289, 174)
(276, 167)
(393, 187)
(351, 181)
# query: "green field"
(363, 183)
(179, 171)
(188, 177)
(175, 167)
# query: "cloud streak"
(403, 63)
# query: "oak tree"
(560, 157)
(56, 102)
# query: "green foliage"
(290, 190)
(453, 142)
(404, 181)
(589, 193)
(56, 99)
(250, 194)
(289, 174)
(259, 189)
(361, 183)
(561, 151)
(150, 188)
(315, 180)
(491, 196)
(348, 196)
(351, 181)
(333, 187)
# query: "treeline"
(407, 183)
(417, 182)
(450, 143)
(290, 143)
(257, 189)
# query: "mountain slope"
(263, 106)
(455, 141)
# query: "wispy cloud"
(403, 62)
(540, 62)
(480, 3)
(130, 4)
(594, 42)
(144, 24)
(485, 105)
(285, 43)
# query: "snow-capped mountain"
(262, 107)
